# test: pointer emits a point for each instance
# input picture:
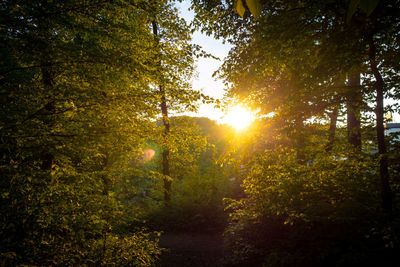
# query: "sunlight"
(238, 117)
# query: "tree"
(165, 119)
(78, 104)
(288, 59)
(174, 59)
(291, 61)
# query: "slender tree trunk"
(380, 131)
(106, 180)
(299, 141)
(47, 157)
(353, 102)
(339, 82)
(332, 129)
(165, 152)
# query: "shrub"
(325, 212)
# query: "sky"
(204, 81)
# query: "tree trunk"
(332, 129)
(299, 140)
(107, 183)
(46, 156)
(353, 102)
(380, 131)
(165, 152)
(339, 83)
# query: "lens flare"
(148, 154)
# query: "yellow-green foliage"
(78, 100)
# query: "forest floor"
(192, 249)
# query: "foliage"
(253, 5)
(198, 182)
(132, 250)
(291, 63)
(78, 102)
(324, 213)
(81, 85)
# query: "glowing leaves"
(240, 8)
(253, 5)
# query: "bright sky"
(207, 66)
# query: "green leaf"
(255, 7)
(239, 8)
(368, 6)
(353, 5)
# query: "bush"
(68, 223)
(326, 212)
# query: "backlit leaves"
(240, 8)
(253, 5)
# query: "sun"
(238, 117)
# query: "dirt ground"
(185, 249)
